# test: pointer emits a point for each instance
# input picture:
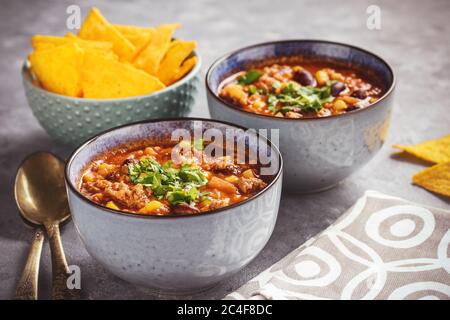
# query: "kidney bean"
(304, 78)
(360, 94)
(337, 88)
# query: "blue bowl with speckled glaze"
(73, 120)
(176, 253)
(318, 153)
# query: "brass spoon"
(27, 288)
(42, 200)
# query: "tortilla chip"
(128, 29)
(178, 51)
(50, 42)
(70, 35)
(435, 179)
(435, 151)
(138, 36)
(184, 69)
(58, 69)
(96, 27)
(41, 42)
(107, 54)
(105, 78)
(152, 54)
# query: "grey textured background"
(414, 38)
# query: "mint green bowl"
(73, 120)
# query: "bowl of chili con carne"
(329, 104)
(166, 205)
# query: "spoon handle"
(27, 288)
(60, 270)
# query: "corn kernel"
(339, 105)
(322, 77)
(88, 178)
(350, 100)
(112, 205)
(232, 179)
(258, 104)
(337, 76)
(151, 207)
(248, 174)
(104, 169)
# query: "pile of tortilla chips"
(111, 61)
(437, 177)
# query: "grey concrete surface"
(414, 37)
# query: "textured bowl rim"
(192, 73)
(168, 217)
(262, 44)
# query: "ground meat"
(133, 196)
(223, 165)
(250, 184)
(265, 82)
(219, 203)
(291, 114)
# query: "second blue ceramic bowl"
(318, 152)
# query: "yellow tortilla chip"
(178, 51)
(58, 69)
(138, 36)
(127, 29)
(107, 54)
(98, 47)
(184, 69)
(435, 151)
(105, 78)
(41, 42)
(70, 35)
(151, 55)
(96, 27)
(435, 179)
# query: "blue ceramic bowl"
(319, 152)
(73, 120)
(177, 253)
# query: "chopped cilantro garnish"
(249, 77)
(306, 98)
(165, 181)
(272, 102)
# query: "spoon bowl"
(40, 191)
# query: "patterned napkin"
(381, 248)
